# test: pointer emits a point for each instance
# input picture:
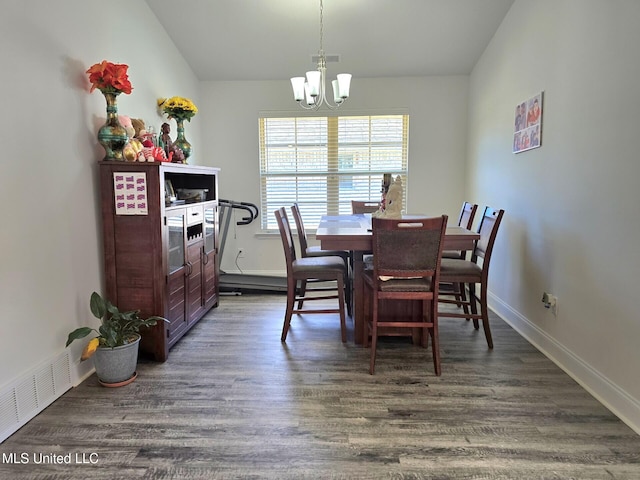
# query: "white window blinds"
(323, 163)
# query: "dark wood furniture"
(471, 272)
(327, 268)
(467, 214)
(358, 206)
(317, 251)
(161, 256)
(406, 267)
(353, 232)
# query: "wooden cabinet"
(161, 257)
(210, 255)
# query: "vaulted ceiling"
(275, 39)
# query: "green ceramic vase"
(112, 135)
(181, 141)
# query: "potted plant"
(115, 349)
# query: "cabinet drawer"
(195, 215)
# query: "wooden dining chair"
(465, 219)
(467, 215)
(316, 251)
(328, 268)
(364, 207)
(470, 273)
(406, 266)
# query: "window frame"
(377, 148)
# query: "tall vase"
(112, 135)
(182, 142)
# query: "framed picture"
(527, 133)
(130, 193)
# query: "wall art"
(528, 124)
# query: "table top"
(353, 232)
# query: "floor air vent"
(32, 393)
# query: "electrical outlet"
(550, 301)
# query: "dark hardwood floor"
(232, 401)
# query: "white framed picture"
(130, 193)
(527, 133)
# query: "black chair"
(471, 272)
(302, 269)
(406, 266)
(316, 251)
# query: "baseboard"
(31, 393)
(616, 399)
(266, 273)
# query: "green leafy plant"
(117, 329)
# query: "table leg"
(358, 298)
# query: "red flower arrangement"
(109, 78)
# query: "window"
(323, 163)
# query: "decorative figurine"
(165, 140)
(392, 207)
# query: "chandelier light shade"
(310, 91)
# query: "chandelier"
(309, 92)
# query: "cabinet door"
(176, 271)
(195, 304)
(209, 258)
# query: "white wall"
(51, 236)
(50, 239)
(437, 146)
(570, 227)
(571, 224)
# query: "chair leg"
(435, 337)
(485, 317)
(424, 337)
(347, 294)
(291, 298)
(374, 336)
(455, 291)
(301, 292)
(366, 311)
(459, 294)
(343, 324)
(474, 305)
(463, 296)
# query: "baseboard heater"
(237, 283)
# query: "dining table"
(353, 233)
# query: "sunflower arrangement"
(109, 78)
(179, 108)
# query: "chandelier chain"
(321, 27)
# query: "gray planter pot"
(114, 365)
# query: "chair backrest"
(467, 214)
(287, 237)
(488, 230)
(302, 235)
(408, 248)
(364, 207)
